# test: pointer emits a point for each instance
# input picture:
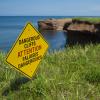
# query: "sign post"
(27, 52)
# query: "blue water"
(11, 27)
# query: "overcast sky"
(50, 7)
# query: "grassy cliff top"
(89, 19)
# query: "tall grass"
(71, 74)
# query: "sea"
(12, 26)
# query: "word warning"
(27, 51)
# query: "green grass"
(71, 74)
(89, 19)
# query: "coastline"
(79, 30)
(61, 74)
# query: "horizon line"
(49, 15)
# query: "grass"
(89, 19)
(71, 74)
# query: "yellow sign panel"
(27, 51)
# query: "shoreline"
(79, 30)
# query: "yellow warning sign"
(27, 51)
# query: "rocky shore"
(78, 31)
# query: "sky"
(49, 7)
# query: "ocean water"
(11, 27)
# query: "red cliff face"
(83, 32)
(70, 25)
(84, 26)
(53, 24)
